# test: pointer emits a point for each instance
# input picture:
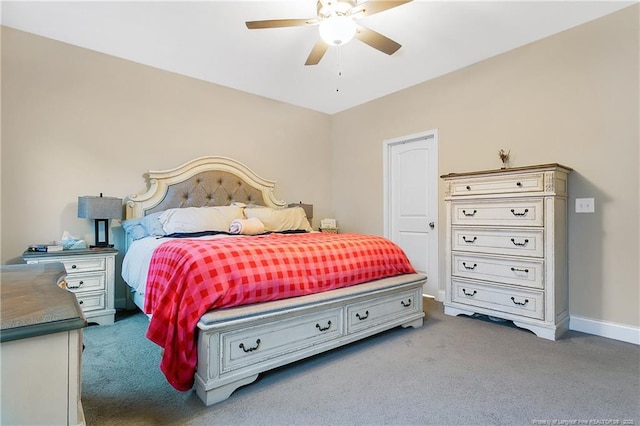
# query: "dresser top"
(33, 304)
(539, 167)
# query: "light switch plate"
(585, 205)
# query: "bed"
(226, 304)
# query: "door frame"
(429, 135)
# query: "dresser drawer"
(525, 273)
(253, 345)
(520, 212)
(86, 282)
(530, 182)
(367, 314)
(91, 301)
(517, 242)
(500, 299)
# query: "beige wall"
(570, 99)
(75, 122)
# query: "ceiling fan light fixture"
(337, 30)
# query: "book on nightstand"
(44, 247)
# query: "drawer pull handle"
(73, 266)
(406, 305)
(520, 270)
(522, 244)
(363, 317)
(471, 240)
(246, 350)
(324, 328)
(77, 286)
(80, 302)
(464, 291)
(513, 299)
(524, 213)
(469, 267)
(473, 213)
(468, 188)
(519, 184)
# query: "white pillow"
(277, 220)
(198, 219)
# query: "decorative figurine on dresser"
(506, 246)
(90, 275)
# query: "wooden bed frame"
(236, 344)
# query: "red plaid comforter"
(188, 277)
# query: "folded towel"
(251, 226)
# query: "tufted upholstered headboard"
(205, 181)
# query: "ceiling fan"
(337, 25)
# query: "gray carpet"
(452, 371)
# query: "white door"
(411, 202)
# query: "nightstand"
(90, 275)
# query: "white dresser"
(506, 246)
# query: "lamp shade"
(99, 207)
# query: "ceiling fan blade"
(317, 53)
(377, 40)
(279, 23)
(372, 7)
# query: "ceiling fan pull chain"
(338, 66)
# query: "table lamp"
(101, 209)
(308, 209)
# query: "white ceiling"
(208, 40)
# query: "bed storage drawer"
(520, 212)
(249, 346)
(515, 271)
(499, 184)
(501, 299)
(381, 311)
(516, 242)
(293, 329)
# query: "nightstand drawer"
(84, 265)
(86, 282)
(521, 212)
(525, 273)
(75, 264)
(91, 301)
(530, 182)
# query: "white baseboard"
(439, 297)
(607, 329)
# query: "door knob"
(432, 225)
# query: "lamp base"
(102, 225)
(101, 246)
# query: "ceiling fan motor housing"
(328, 8)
